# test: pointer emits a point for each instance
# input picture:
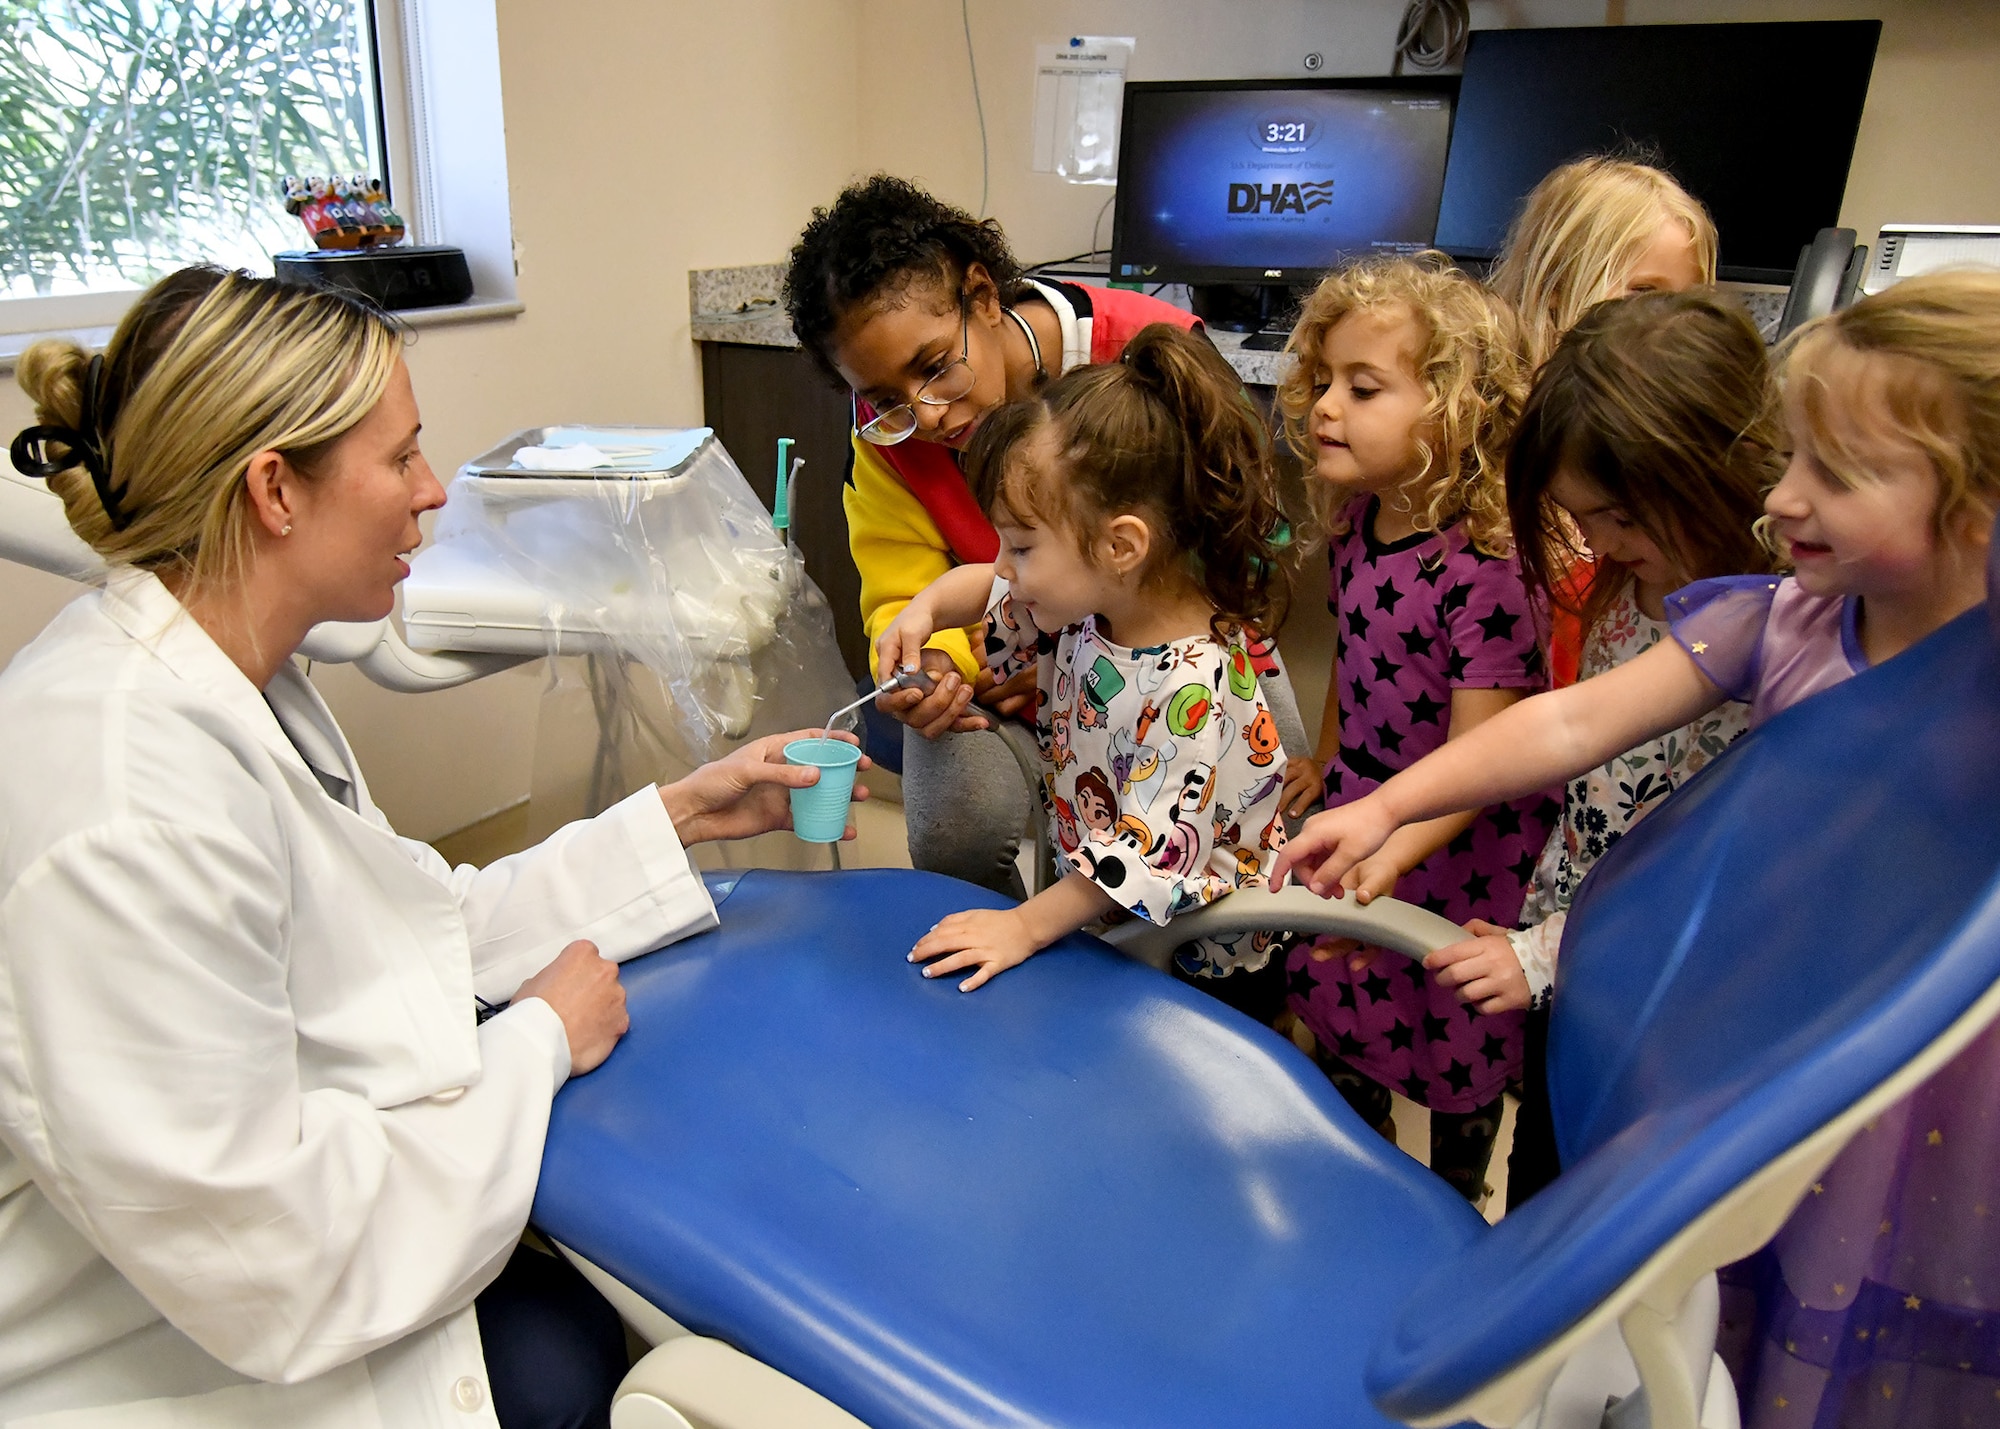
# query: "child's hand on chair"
(993, 939)
(1484, 970)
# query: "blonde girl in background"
(1592, 230)
(1641, 461)
(1405, 390)
(1595, 229)
(1885, 514)
(1140, 533)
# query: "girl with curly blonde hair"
(1405, 387)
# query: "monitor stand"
(1265, 311)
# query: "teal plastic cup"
(819, 813)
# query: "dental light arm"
(34, 533)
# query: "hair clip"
(30, 449)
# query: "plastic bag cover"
(665, 558)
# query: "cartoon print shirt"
(1161, 769)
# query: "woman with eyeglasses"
(922, 312)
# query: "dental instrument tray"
(592, 453)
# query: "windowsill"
(479, 310)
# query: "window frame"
(444, 142)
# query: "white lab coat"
(252, 1147)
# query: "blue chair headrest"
(1763, 950)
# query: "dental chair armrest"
(1384, 923)
(691, 1382)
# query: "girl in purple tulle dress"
(1878, 1303)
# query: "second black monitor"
(1758, 121)
(1276, 181)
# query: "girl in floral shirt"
(1640, 466)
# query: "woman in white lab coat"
(257, 1162)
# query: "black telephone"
(1828, 275)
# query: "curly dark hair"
(1168, 431)
(881, 236)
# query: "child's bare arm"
(1305, 779)
(995, 939)
(1410, 845)
(1536, 744)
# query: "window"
(137, 136)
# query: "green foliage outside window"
(137, 136)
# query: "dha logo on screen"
(1280, 198)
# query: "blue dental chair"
(834, 1192)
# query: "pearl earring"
(288, 529)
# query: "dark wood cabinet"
(752, 396)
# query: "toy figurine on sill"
(343, 213)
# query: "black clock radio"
(391, 278)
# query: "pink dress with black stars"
(1419, 618)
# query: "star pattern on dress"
(1415, 1087)
(1387, 596)
(1436, 1028)
(1523, 868)
(1432, 903)
(1389, 737)
(1416, 642)
(1494, 1049)
(1430, 570)
(1499, 624)
(1456, 597)
(1386, 669)
(1376, 986)
(1414, 971)
(1458, 1076)
(1348, 1045)
(1400, 1035)
(1506, 820)
(1423, 709)
(1478, 886)
(1455, 666)
(1344, 991)
(1362, 689)
(1357, 623)
(1299, 981)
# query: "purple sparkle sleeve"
(1721, 623)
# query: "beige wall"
(647, 137)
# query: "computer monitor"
(1275, 181)
(1756, 120)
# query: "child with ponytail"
(1140, 533)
